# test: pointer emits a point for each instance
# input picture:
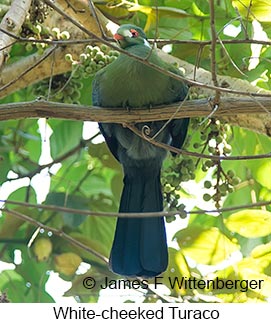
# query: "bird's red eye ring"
(134, 33)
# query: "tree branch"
(12, 21)
(229, 108)
(57, 208)
(190, 108)
(189, 77)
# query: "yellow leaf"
(11, 223)
(42, 248)
(205, 246)
(67, 263)
(256, 9)
(261, 251)
(10, 226)
(250, 223)
(261, 282)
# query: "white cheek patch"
(146, 43)
(127, 33)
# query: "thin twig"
(172, 117)
(57, 208)
(83, 143)
(229, 57)
(58, 42)
(160, 42)
(94, 14)
(213, 51)
(57, 232)
(179, 151)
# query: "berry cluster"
(212, 137)
(37, 14)
(63, 88)
(39, 32)
(38, 11)
(222, 185)
(92, 60)
(67, 87)
(215, 139)
(178, 169)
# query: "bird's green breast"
(131, 84)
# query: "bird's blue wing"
(178, 130)
(110, 139)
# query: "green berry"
(95, 50)
(89, 49)
(227, 149)
(65, 35)
(230, 173)
(184, 170)
(104, 48)
(211, 150)
(111, 59)
(223, 188)
(219, 139)
(29, 47)
(185, 177)
(83, 57)
(59, 95)
(170, 219)
(207, 184)
(183, 215)
(37, 29)
(230, 189)
(235, 181)
(56, 32)
(209, 163)
(68, 58)
(168, 188)
(206, 197)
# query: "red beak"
(118, 37)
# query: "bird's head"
(129, 35)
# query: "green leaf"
(21, 194)
(5, 166)
(250, 223)
(69, 201)
(205, 246)
(96, 184)
(66, 135)
(94, 244)
(263, 174)
(33, 144)
(14, 284)
(100, 229)
(78, 288)
(102, 152)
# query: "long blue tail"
(140, 248)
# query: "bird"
(139, 247)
